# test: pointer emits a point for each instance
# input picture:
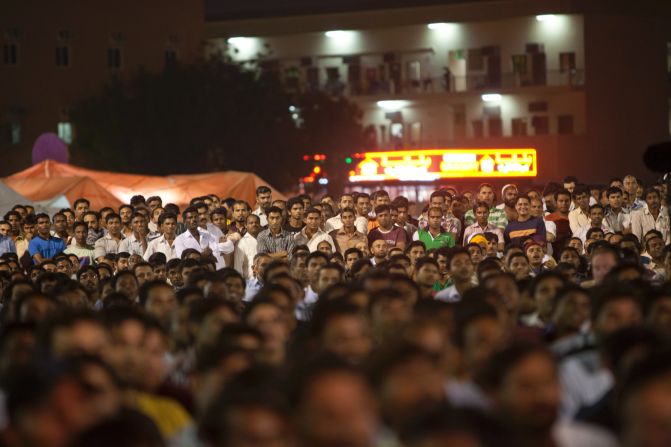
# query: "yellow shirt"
(169, 416)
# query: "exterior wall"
(36, 93)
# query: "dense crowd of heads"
(535, 317)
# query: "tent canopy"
(49, 179)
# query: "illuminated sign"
(434, 164)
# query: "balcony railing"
(443, 84)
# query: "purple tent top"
(49, 146)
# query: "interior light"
(440, 26)
(392, 105)
(491, 97)
(337, 34)
(237, 40)
(546, 17)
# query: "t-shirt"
(563, 230)
(47, 248)
(291, 229)
(516, 231)
(392, 238)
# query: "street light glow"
(491, 97)
(393, 105)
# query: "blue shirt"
(47, 248)
(7, 245)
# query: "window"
(10, 54)
(114, 57)
(65, 131)
(62, 56)
(15, 133)
(519, 127)
(478, 128)
(565, 124)
(495, 127)
(541, 125)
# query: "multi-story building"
(54, 53)
(585, 83)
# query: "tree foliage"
(207, 116)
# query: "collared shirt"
(344, 241)
(262, 216)
(577, 219)
(7, 245)
(107, 244)
(302, 238)
(161, 245)
(474, 229)
(582, 232)
(497, 217)
(85, 254)
(442, 239)
(186, 240)
(643, 221)
(252, 288)
(270, 243)
(132, 245)
(47, 248)
(243, 259)
(616, 221)
(214, 230)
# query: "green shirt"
(441, 240)
(497, 217)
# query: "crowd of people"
(535, 317)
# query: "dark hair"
(111, 216)
(148, 286)
(274, 209)
(501, 363)
(263, 189)
(421, 262)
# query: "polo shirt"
(443, 239)
(47, 248)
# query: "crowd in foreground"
(537, 317)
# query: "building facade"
(577, 83)
(58, 52)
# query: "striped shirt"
(497, 217)
(105, 245)
(270, 243)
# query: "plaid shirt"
(497, 217)
(269, 243)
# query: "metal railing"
(443, 84)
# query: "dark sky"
(240, 9)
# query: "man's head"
(563, 200)
(653, 199)
(81, 206)
(510, 194)
(275, 219)
(313, 219)
(523, 206)
(427, 272)
(379, 249)
(295, 209)
(570, 183)
(460, 265)
(596, 214)
(329, 275)
(581, 196)
(486, 194)
(362, 204)
(383, 215)
(264, 197)
(43, 225)
(253, 224)
(240, 211)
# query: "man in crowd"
(200, 240)
(275, 240)
(496, 217)
(44, 245)
(392, 235)
(347, 236)
(264, 199)
(311, 234)
(246, 247)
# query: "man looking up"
(44, 245)
(392, 235)
(525, 225)
(311, 235)
(616, 218)
(167, 224)
(560, 219)
(275, 241)
(201, 240)
(496, 216)
(434, 236)
(295, 215)
(240, 213)
(246, 248)
(650, 217)
(79, 247)
(579, 217)
(136, 243)
(362, 205)
(264, 199)
(347, 236)
(509, 193)
(109, 244)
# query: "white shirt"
(243, 259)
(214, 230)
(186, 240)
(576, 219)
(450, 294)
(252, 288)
(160, 245)
(262, 216)
(302, 239)
(335, 223)
(582, 232)
(642, 221)
(131, 245)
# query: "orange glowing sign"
(434, 164)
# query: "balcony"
(443, 84)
